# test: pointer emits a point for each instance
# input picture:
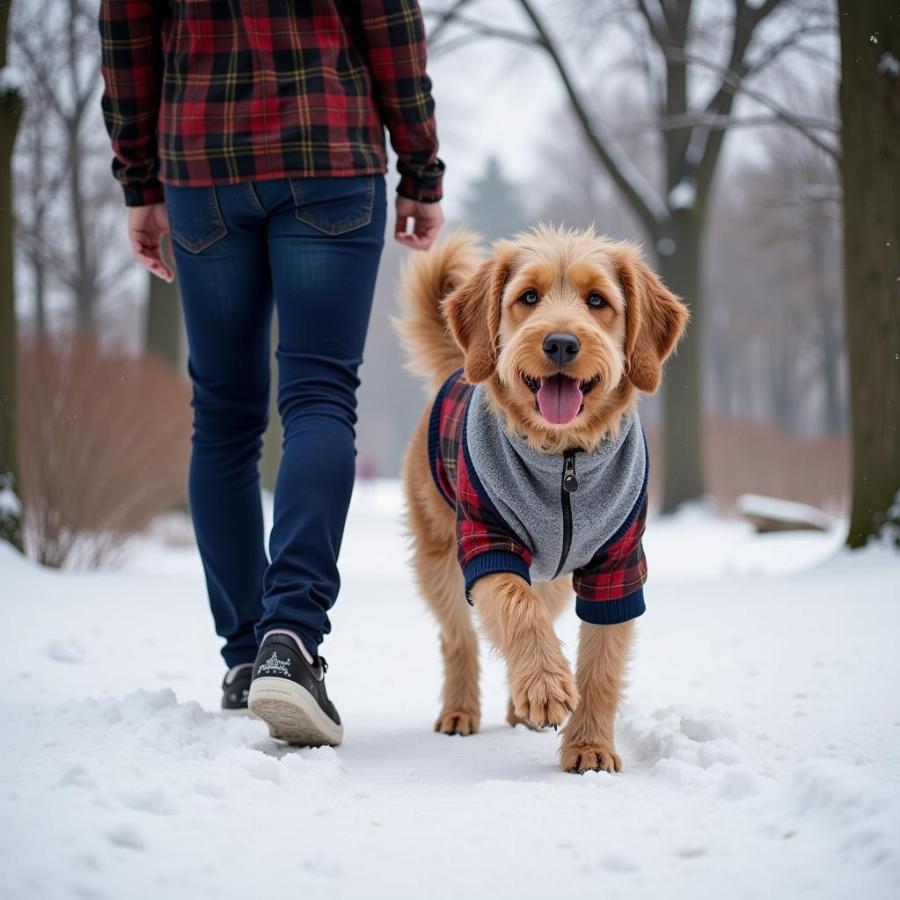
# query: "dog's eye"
(530, 297)
(596, 301)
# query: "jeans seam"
(254, 198)
(331, 228)
(219, 231)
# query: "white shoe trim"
(296, 640)
(232, 673)
(292, 712)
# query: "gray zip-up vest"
(526, 487)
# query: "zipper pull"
(570, 482)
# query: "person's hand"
(427, 220)
(148, 226)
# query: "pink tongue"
(559, 399)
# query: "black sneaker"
(288, 694)
(236, 688)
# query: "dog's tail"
(427, 279)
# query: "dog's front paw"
(543, 693)
(513, 720)
(457, 721)
(583, 756)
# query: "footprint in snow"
(65, 651)
(156, 802)
(126, 836)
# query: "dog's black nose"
(561, 347)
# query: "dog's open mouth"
(558, 397)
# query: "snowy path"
(761, 741)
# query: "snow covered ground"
(761, 739)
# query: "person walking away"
(251, 134)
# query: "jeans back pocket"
(334, 204)
(195, 219)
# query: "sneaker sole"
(292, 713)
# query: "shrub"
(104, 446)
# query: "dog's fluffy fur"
(462, 309)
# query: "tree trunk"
(84, 281)
(870, 111)
(10, 113)
(163, 331)
(830, 333)
(682, 396)
(40, 305)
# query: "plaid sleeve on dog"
(485, 544)
(609, 588)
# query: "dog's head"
(565, 327)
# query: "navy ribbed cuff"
(611, 612)
(494, 561)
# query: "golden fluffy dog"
(492, 317)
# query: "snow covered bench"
(768, 514)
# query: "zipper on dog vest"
(568, 487)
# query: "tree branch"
(445, 18)
(712, 122)
(643, 199)
(702, 152)
(658, 30)
(483, 29)
(783, 114)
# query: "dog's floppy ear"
(472, 312)
(655, 319)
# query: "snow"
(759, 737)
(682, 196)
(12, 80)
(10, 505)
(889, 65)
(783, 510)
(666, 246)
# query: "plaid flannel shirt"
(201, 92)
(609, 589)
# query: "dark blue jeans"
(309, 248)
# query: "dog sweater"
(543, 515)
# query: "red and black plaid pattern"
(618, 569)
(479, 529)
(608, 588)
(201, 92)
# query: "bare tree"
(10, 112)
(38, 176)
(870, 110)
(673, 53)
(56, 42)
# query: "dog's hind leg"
(557, 595)
(588, 739)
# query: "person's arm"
(396, 50)
(395, 40)
(131, 48)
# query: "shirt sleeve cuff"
(494, 561)
(611, 612)
(424, 184)
(143, 193)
